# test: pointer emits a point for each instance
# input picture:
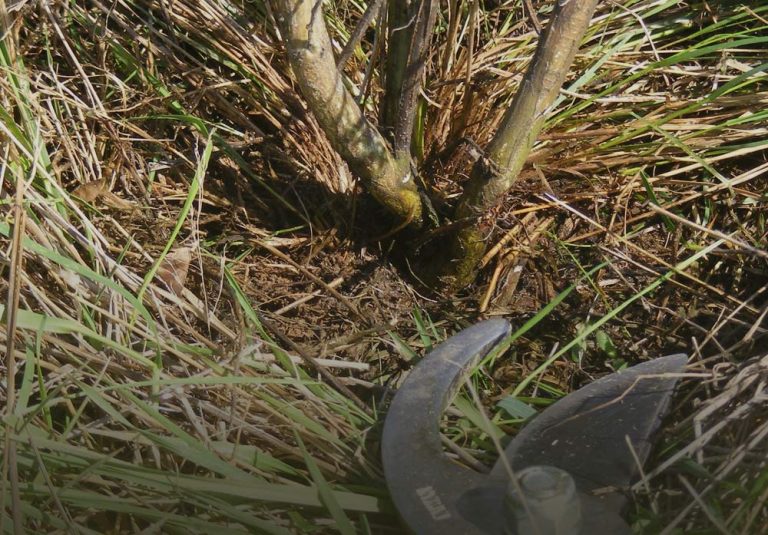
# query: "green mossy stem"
(494, 174)
(363, 148)
(467, 250)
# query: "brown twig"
(370, 13)
(532, 14)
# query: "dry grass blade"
(10, 457)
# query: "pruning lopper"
(565, 473)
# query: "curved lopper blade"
(598, 435)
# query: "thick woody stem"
(409, 32)
(494, 174)
(400, 22)
(423, 25)
(366, 152)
